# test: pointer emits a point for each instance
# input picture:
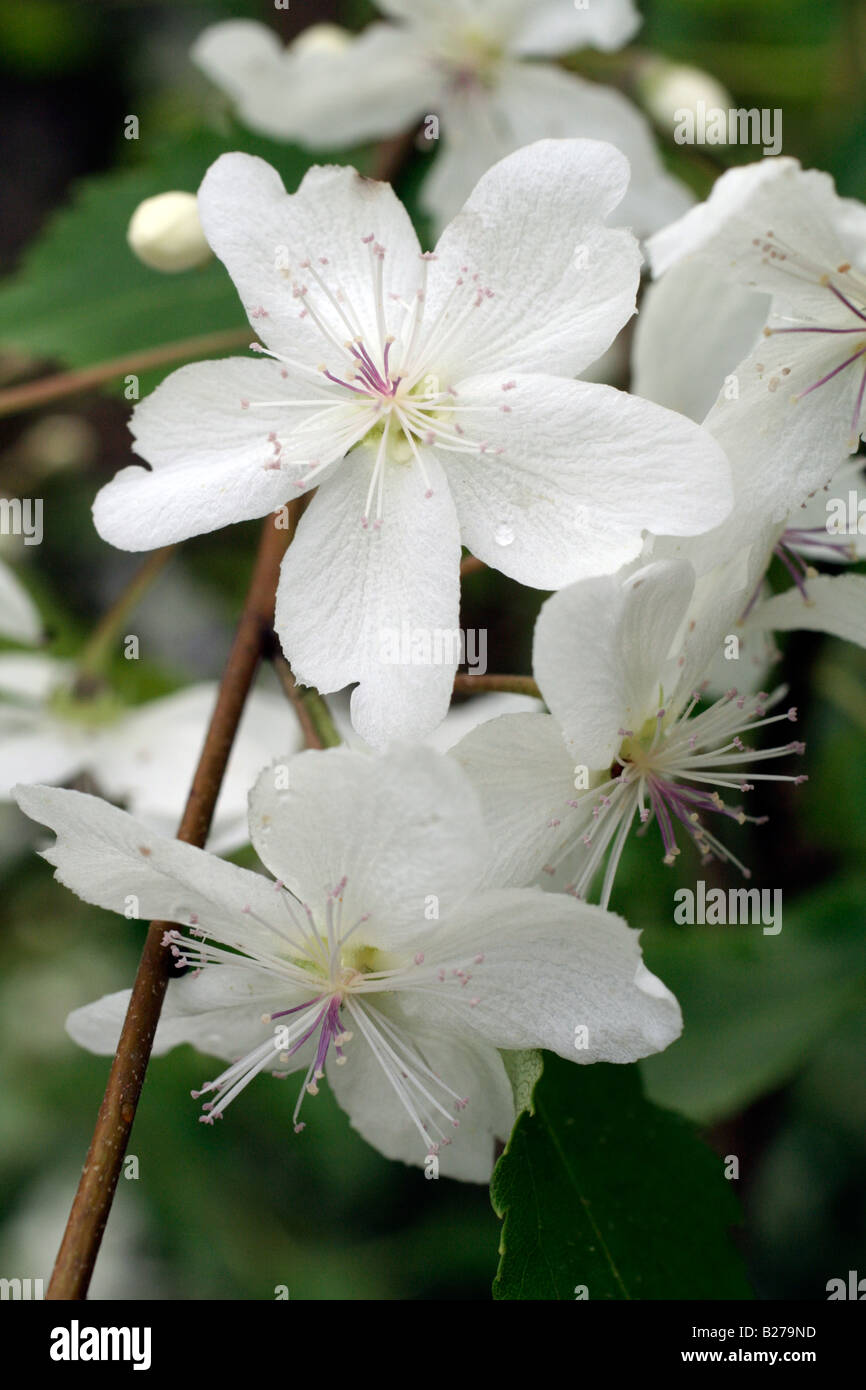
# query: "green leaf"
(601, 1191)
(754, 1005)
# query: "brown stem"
(90, 1209)
(478, 685)
(470, 564)
(392, 155)
(53, 388)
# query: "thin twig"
(81, 1241)
(54, 388)
(478, 685)
(470, 564)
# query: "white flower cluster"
(478, 76)
(433, 400)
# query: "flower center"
(673, 771)
(381, 384)
(472, 56)
(339, 977)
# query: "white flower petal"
(19, 616)
(525, 778)
(378, 85)
(752, 670)
(149, 759)
(552, 965)
(218, 1011)
(211, 458)
(40, 750)
(584, 471)
(29, 677)
(398, 828)
(618, 636)
(443, 12)
(109, 859)
(722, 595)
(836, 605)
(562, 283)
(535, 101)
(551, 27)
(784, 444)
(677, 362)
(375, 85)
(737, 190)
(846, 491)
(476, 712)
(460, 718)
(801, 209)
(347, 595)
(469, 1067)
(272, 243)
(240, 56)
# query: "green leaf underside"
(524, 1072)
(601, 1190)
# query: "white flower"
(461, 66)
(144, 757)
(443, 383)
(620, 663)
(372, 959)
(824, 529)
(165, 233)
(19, 617)
(712, 329)
(762, 303)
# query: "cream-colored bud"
(667, 88)
(165, 233)
(322, 38)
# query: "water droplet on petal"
(503, 533)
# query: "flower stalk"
(482, 685)
(33, 394)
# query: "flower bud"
(667, 88)
(324, 39)
(165, 233)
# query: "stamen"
(666, 783)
